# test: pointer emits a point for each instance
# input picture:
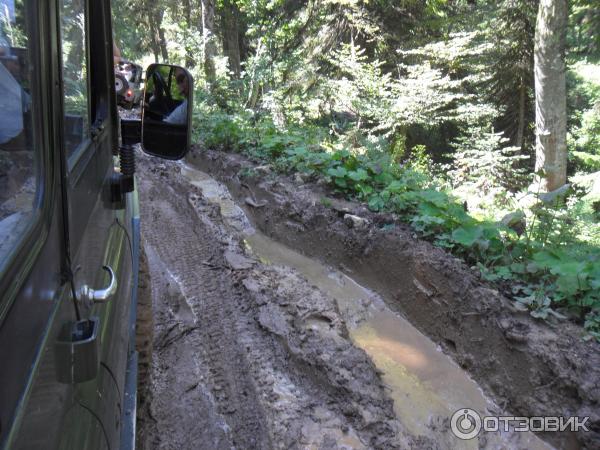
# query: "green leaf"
(591, 299)
(358, 175)
(568, 285)
(429, 209)
(595, 276)
(571, 268)
(513, 218)
(504, 272)
(546, 259)
(337, 172)
(436, 197)
(341, 182)
(466, 236)
(396, 186)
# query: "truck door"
(60, 226)
(100, 236)
(34, 300)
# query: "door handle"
(86, 293)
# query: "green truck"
(69, 224)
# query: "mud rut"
(248, 355)
(198, 322)
(237, 359)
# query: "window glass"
(74, 59)
(19, 157)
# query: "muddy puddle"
(427, 386)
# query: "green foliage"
(550, 266)
(484, 158)
(584, 22)
(372, 97)
(217, 129)
(131, 25)
(584, 118)
(589, 133)
(576, 281)
(586, 162)
(13, 33)
(420, 161)
(511, 89)
(585, 140)
(592, 325)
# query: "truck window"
(75, 79)
(19, 158)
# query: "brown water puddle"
(426, 385)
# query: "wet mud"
(519, 366)
(246, 354)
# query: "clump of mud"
(529, 367)
(246, 355)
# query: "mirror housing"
(167, 112)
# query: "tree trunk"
(155, 40)
(521, 123)
(550, 94)
(162, 40)
(231, 33)
(208, 26)
(254, 83)
(155, 51)
(163, 45)
(187, 14)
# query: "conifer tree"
(550, 93)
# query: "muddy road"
(246, 355)
(260, 345)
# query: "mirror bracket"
(131, 131)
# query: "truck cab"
(69, 231)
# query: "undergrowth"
(538, 253)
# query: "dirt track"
(245, 355)
(250, 355)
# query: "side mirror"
(167, 111)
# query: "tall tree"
(550, 93)
(512, 90)
(230, 34)
(158, 42)
(208, 39)
(187, 15)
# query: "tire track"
(182, 243)
(251, 352)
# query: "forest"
(477, 122)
